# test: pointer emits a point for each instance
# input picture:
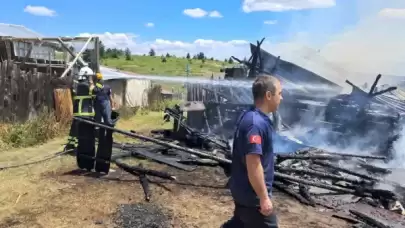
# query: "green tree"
(152, 52)
(188, 56)
(128, 54)
(230, 60)
(200, 55)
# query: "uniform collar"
(264, 115)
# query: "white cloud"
(199, 13)
(212, 48)
(150, 24)
(40, 11)
(196, 12)
(374, 45)
(392, 13)
(284, 5)
(270, 22)
(215, 14)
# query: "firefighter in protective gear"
(82, 103)
(103, 102)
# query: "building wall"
(38, 52)
(129, 92)
(137, 92)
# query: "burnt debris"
(350, 185)
(312, 176)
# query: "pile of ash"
(141, 215)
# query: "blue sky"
(129, 16)
(360, 35)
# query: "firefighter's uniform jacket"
(82, 107)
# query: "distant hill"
(169, 66)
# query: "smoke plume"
(373, 45)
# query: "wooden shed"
(33, 53)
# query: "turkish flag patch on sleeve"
(255, 139)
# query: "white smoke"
(399, 152)
(372, 46)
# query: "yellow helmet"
(99, 76)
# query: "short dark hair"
(262, 84)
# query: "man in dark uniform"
(103, 100)
(252, 171)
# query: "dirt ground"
(55, 194)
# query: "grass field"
(51, 194)
(173, 66)
(55, 194)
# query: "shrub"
(33, 132)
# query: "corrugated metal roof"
(17, 31)
(111, 74)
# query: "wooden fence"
(23, 94)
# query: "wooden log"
(283, 157)
(286, 189)
(329, 165)
(63, 104)
(324, 175)
(136, 170)
(375, 169)
(369, 219)
(281, 176)
(304, 192)
(346, 218)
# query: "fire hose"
(36, 162)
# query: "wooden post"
(77, 57)
(70, 51)
(97, 54)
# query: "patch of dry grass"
(29, 192)
(22, 187)
(33, 132)
(143, 123)
(55, 194)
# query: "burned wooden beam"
(280, 176)
(304, 192)
(346, 218)
(159, 142)
(307, 157)
(145, 186)
(286, 189)
(326, 156)
(136, 170)
(140, 152)
(330, 165)
(357, 156)
(324, 175)
(374, 169)
(317, 150)
(369, 219)
(202, 162)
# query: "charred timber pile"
(312, 176)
